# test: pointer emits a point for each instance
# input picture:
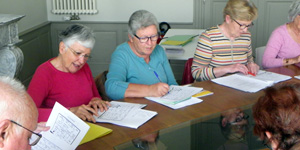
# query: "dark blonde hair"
(278, 112)
(240, 9)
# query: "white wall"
(120, 10)
(35, 11)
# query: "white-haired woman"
(283, 47)
(67, 78)
(139, 67)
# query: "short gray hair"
(294, 10)
(78, 33)
(141, 19)
(15, 103)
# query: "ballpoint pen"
(157, 76)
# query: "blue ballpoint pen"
(157, 76)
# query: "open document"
(178, 97)
(125, 114)
(249, 83)
(65, 133)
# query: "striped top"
(215, 50)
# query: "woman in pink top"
(283, 47)
(67, 78)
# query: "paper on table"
(66, 130)
(177, 94)
(191, 101)
(125, 114)
(94, 132)
(248, 83)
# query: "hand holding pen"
(159, 89)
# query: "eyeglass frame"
(148, 37)
(37, 134)
(78, 54)
(239, 119)
(242, 26)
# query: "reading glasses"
(243, 26)
(79, 54)
(35, 137)
(145, 39)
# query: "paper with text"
(249, 83)
(176, 94)
(65, 133)
(125, 114)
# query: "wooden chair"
(100, 84)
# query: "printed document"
(249, 83)
(177, 94)
(65, 133)
(125, 114)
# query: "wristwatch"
(287, 61)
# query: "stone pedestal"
(11, 57)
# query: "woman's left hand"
(96, 103)
(253, 68)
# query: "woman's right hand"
(84, 112)
(159, 89)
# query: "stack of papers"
(249, 83)
(178, 97)
(125, 114)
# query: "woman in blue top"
(139, 67)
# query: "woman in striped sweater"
(226, 48)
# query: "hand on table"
(253, 68)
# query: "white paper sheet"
(249, 83)
(125, 114)
(177, 94)
(191, 101)
(66, 130)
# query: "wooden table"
(223, 99)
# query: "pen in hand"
(158, 78)
(251, 73)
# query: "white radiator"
(74, 7)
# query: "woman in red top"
(67, 78)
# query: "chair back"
(187, 77)
(100, 84)
(259, 53)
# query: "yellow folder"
(94, 132)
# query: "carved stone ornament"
(11, 57)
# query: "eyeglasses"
(35, 137)
(240, 118)
(145, 39)
(79, 54)
(243, 26)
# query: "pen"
(157, 76)
(251, 73)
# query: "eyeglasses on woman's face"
(35, 137)
(145, 39)
(243, 26)
(79, 54)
